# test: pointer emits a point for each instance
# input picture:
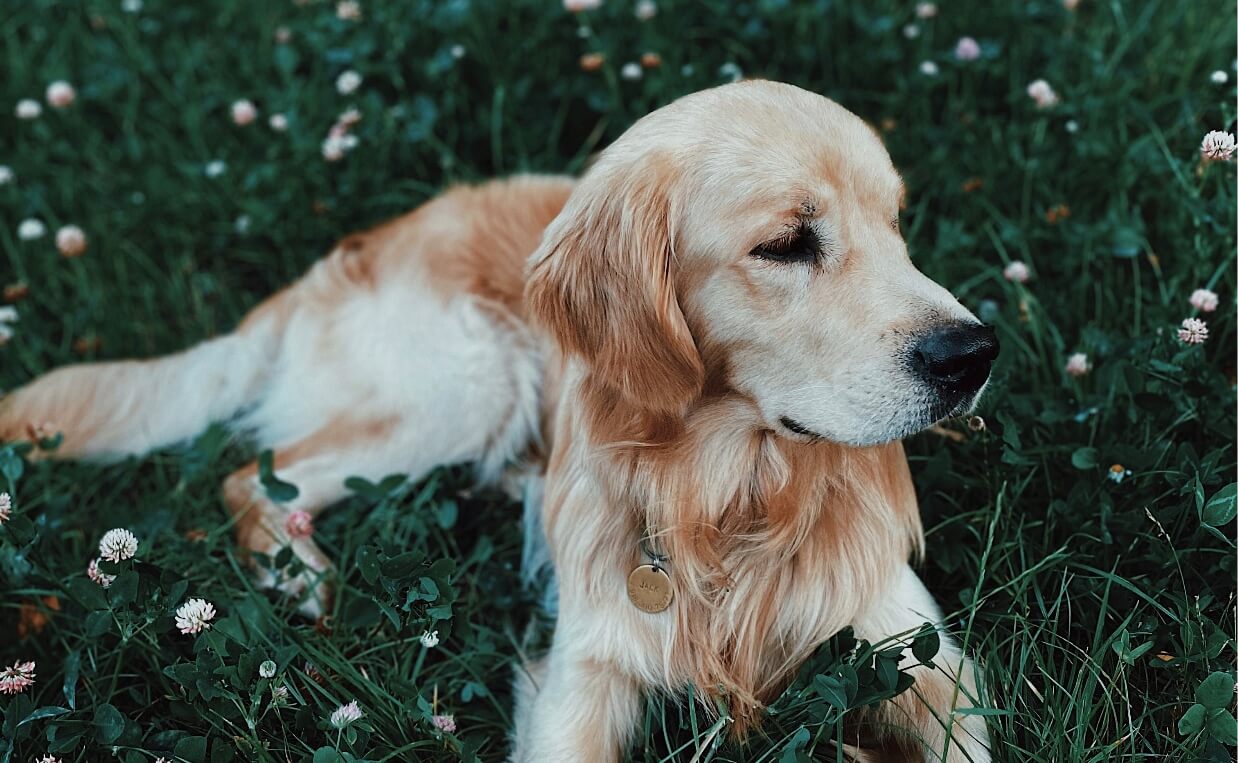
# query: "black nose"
(958, 355)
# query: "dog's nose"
(959, 355)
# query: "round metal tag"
(649, 588)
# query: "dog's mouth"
(794, 426)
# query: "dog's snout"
(959, 355)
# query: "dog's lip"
(798, 428)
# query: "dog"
(708, 348)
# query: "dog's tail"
(107, 411)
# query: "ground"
(1082, 540)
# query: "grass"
(1102, 611)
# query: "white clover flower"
(267, 669)
(576, 6)
(348, 82)
(71, 241)
(333, 148)
(1217, 146)
(1042, 93)
(215, 168)
(31, 229)
(1204, 300)
(17, 679)
(911, 31)
(1219, 77)
(6, 507)
(1077, 365)
(118, 545)
(1017, 271)
(348, 10)
(131, 6)
(278, 122)
(445, 723)
(345, 715)
(28, 108)
(631, 71)
(429, 639)
(730, 71)
(646, 9)
(967, 49)
(457, 51)
(6, 174)
(60, 94)
(926, 10)
(97, 576)
(1193, 331)
(1072, 126)
(195, 616)
(243, 112)
(929, 69)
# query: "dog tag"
(649, 588)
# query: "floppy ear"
(601, 284)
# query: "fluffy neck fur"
(774, 545)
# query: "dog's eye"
(800, 246)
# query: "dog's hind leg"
(318, 465)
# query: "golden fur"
(616, 334)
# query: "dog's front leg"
(573, 707)
(926, 716)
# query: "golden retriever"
(709, 347)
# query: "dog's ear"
(602, 285)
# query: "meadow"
(1080, 529)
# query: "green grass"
(1098, 609)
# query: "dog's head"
(747, 237)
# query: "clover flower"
(1043, 94)
(6, 174)
(71, 241)
(577, 6)
(1017, 271)
(731, 71)
(194, 616)
(967, 49)
(1219, 77)
(17, 679)
(911, 31)
(53, 759)
(267, 669)
(631, 71)
(28, 108)
(1078, 365)
(1193, 331)
(429, 639)
(243, 112)
(345, 715)
(60, 94)
(215, 168)
(1217, 146)
(283, 35)
(299, 524)
(929, 68)
(6, 507)
(31, 229)
(348, 82)
(457, 51)
(646, 9)
(131, 6)
(445, 723)
(926, 10)
(1204, 300)
(118, 545)
(348, 10)
(99, 577)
